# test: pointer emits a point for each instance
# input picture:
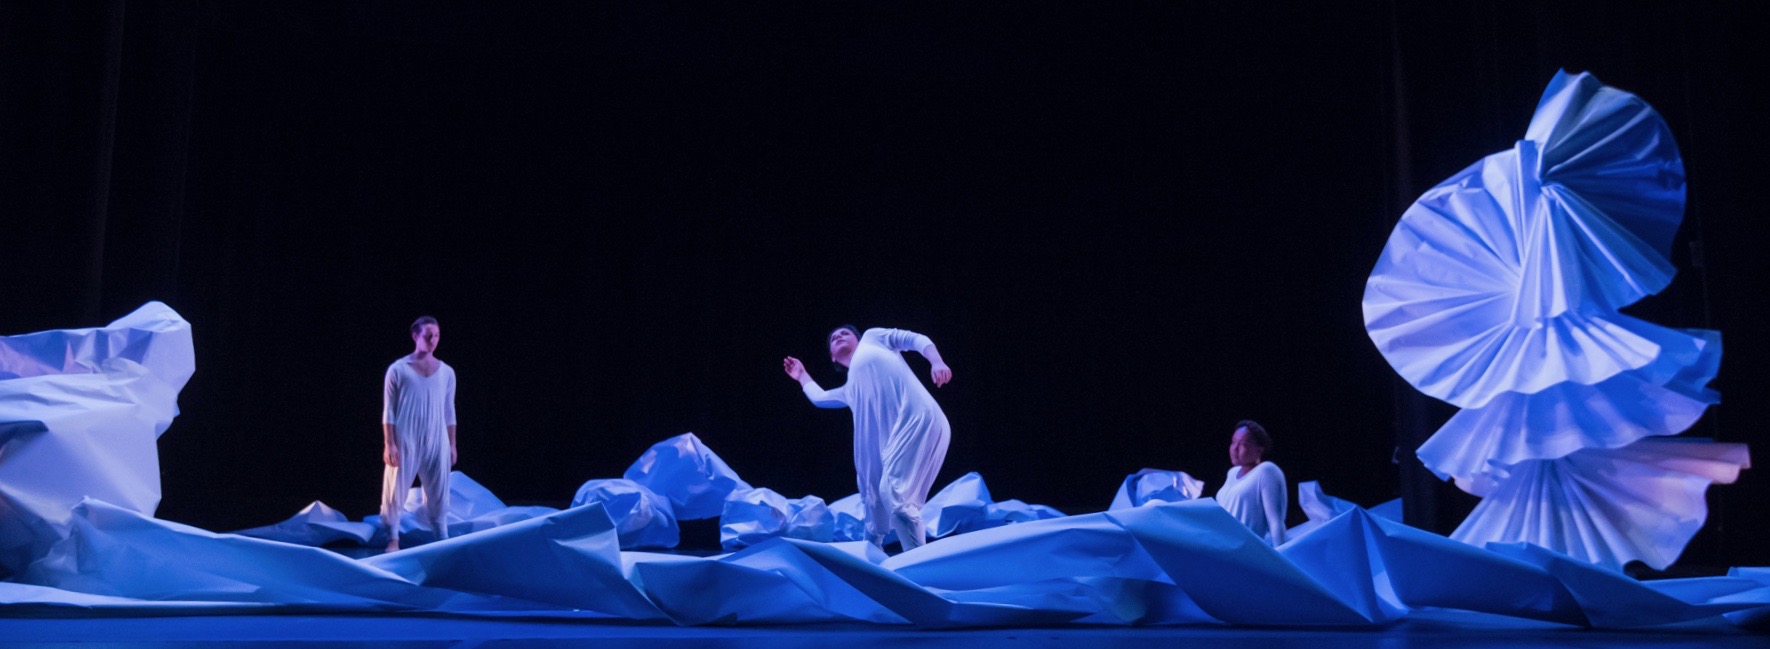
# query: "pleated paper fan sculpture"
(1499, 292)
(1517, 427)
(1640, 502)
(1507, 277)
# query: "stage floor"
(431, 631)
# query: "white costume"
(421, 409)
(900, 434)
(1258, 500)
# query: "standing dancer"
(900, 434)
(1254, 492)
(418, 431)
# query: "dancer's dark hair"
(1256, 434)
(418, 325)
(855, 330)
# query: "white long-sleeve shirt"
(1259, 500)
(878, 373)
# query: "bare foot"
(393, 546)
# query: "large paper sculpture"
(1640, 502)
(1500, 292)
(80, 411)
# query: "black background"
(1127, 225)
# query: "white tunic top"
(421, 408)
(1258, 499)
(900, 433)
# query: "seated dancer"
(418, 431)
(1254, 492)
(900, 434)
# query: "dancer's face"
(842, 342)
(427, 338)
(1243, 451)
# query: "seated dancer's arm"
(1274, 500)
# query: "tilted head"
(843, 340)
(1249, 444)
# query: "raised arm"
(837, 398)
(903, 340)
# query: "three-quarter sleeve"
(901, 340)
(389, 394)
(837, 398)
(449, 402)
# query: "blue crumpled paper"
(315, 524)
(1187, 562)
(643, 518)
(1166, 563)
(80, 411)
(1321, 508)
(472, 508)
(965, 505)
(690, 475)
(755, 515)
(1156, 486)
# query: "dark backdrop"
(1126, 226)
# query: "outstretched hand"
(941, 374)
(795, 369)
